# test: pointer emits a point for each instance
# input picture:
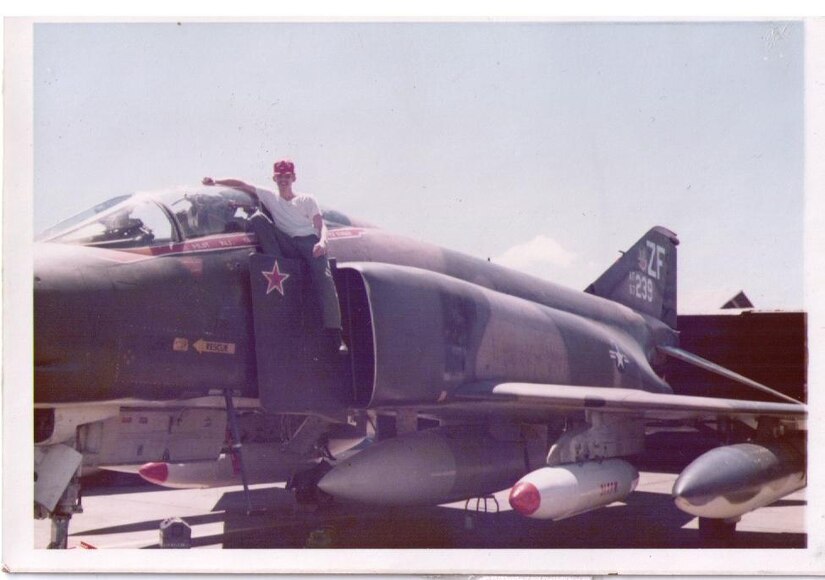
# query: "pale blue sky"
(547, 146)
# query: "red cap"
(284, 166)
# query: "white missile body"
(264, 463)
(566, 490)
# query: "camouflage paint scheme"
(161, 303)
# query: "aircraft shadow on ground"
(789, 503)
(149, 525)
(647, 520)
(114, 483)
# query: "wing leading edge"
(630, 402)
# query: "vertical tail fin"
(644, 277)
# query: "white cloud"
(541, 254)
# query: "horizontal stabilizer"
(712, 367)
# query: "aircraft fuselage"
(176, 321)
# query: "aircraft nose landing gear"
(68, 505)
(57, 489)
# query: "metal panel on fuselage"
(155, 324)
(176, 321)
(376, 245)
(433, 333)
(298, 370)
(186, 328)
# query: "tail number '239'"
(651, 261)
(641, 286)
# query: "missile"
(428, 468)
(567, 490)
(264, 463)
(729, 481)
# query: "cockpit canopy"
(159, 218)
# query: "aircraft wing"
(628, 401)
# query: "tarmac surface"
(122, 511)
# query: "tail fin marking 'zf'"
(644, 277)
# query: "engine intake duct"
(432, 333)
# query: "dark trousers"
(275, 242)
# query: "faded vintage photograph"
(436, 290)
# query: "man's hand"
(208, 181)
(249, 208)
(320, 249)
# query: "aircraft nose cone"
(72, 311)
(155, 472)
(59, 317)
(525, 498)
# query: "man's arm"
(235, 183)
(320, 248)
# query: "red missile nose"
(154, 472)
(525, 498)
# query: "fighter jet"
(165, 337)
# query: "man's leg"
(272, 240)
(323, 285)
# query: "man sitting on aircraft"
(298, 232)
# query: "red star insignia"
(275, 279)
(642, 260)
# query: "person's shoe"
(337, 339)
(343, 349)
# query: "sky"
(544, 146)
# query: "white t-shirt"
(293, 217)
